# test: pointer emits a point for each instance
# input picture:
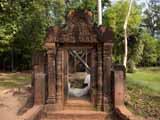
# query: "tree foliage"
(151, 23)
(152, 17)
(23, 25)
(90, 5)
(114, 17)
(149, 56)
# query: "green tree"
(114, 17)
(149, 56)
(158, 51)
(9, 26)
(152, 17)
(23, 26)
(90, 5)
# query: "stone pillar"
(59, 72)
(51, 75)
(66, 72)
(119, 85)
(93, 61)
(107, 62)
(99, 79)
(39, 88)
(38, 61)
(63, 75)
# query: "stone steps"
(76, 110)
(76, 115)
(78, 105)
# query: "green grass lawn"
(146, 77)
(143, 91)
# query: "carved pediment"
(79, 29)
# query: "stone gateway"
(50, 71)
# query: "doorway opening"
(78, 80)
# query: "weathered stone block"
(39, 89)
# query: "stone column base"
(51, 100)
(50, 107)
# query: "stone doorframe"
(100, 74)
(93, 60)
(65, 66)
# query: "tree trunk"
(12, 60)
(99, 4)
(125, 34)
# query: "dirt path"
(12, 99)
(10, 103)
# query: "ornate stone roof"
(79, 29)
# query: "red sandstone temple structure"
(50, 71)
